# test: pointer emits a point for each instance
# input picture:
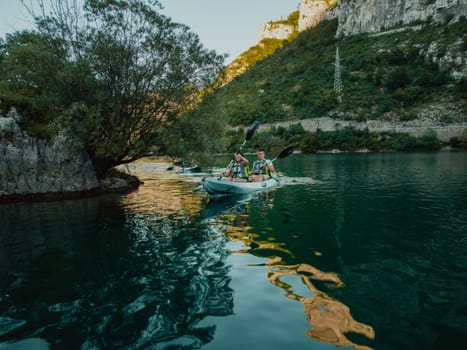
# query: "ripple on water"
(145, 267)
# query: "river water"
(362, 251)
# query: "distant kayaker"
(238, 169)
(263, 168)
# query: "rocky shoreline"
(116, 183)
(32, 169)
(36, 169)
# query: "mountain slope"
(399, 74)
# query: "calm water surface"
(362, 251)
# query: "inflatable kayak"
(216, 185)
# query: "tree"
(197, 134)
(36, 78)
(141, 70)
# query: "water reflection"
(160, 267)
(331, 320)
(111, 272)
(398, 223)
(165, 194)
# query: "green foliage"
(399, 78)
(460, 142)
(117, 81)
(275, 139)
(250, 57)
(29, 63)
(293, 18)
(429, 140)
(197, 136)
(351, 139)
(309, 144)
(381, 74)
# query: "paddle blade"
(252, 130)
(285, 152)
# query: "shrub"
(398, 78)
(309, 144)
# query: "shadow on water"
(108, 273)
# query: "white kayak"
(216, 185)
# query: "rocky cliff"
(366, 16)
(35, 167)
(372, 16)
(379, 17)
(310, 13)
(275, 30)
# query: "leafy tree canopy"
(117, 74)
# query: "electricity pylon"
(337, 76)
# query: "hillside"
(397, 74)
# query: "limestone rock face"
(367, 16)
(372, 16)
(34, 166)
(311, 12)
(275, 30)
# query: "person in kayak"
(263, 168)
(238, 169)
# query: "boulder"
(31, 166)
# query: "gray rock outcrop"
(275, 30)
(33, 166)
(373, 16)
(312, 12)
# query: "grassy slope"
(391, 74)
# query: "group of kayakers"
(238, 169)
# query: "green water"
(356, 250)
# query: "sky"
(226, 26)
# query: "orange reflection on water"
(164, 193)
(330, 319)
(236, 232)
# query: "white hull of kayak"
(216, 185)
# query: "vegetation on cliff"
(390, 75)
(115, 74)
(257, 53)
(394, 72)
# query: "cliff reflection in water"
(112, 271)
(330, 319)
(164, 193)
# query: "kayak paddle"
(284, 153)
(249, 134)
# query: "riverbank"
(39, 169)
(115, 182)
